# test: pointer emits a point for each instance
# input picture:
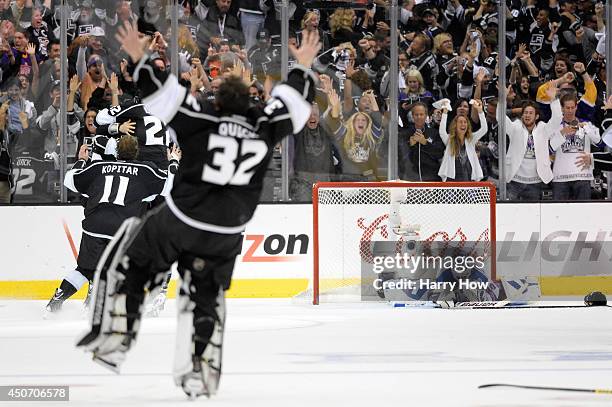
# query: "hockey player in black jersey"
(100, 149)
(115, 190)
(153, 140)
(226, 148)
(149, 130)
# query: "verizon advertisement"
(277, 243)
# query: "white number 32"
(222, 170)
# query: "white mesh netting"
(350, 218)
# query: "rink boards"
(276, 259)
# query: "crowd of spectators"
(448, 86)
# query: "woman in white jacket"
(460, 162)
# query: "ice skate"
(55, 304)
(112, 360)
(201, 381)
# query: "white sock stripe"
(75, 278)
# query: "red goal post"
(348, 214)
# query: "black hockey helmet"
(595, 299)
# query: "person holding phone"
(21, 113)
(574, 137)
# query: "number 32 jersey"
(224, 158)
(115, 191)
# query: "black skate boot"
(65, 291)
(55, 304)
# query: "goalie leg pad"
(199, 340)
(115, 313)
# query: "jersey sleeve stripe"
(97, 235)
(158, 173)
(260, 120)
(127, 109)
(149, 198)
(299, 109)
(280, 118)
(167, 99)
(69, 180)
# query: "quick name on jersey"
(120, 169)
(235, 130)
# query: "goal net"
(348, 217)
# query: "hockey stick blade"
(519, 386)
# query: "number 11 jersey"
(115, 191)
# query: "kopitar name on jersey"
(119, 169)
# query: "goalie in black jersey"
(226, 147)
(115, 190)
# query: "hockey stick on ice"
(518, 386)
(481, 305)
(514, 305)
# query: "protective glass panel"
(29, 112)
(346, 138)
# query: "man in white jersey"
(570, 180)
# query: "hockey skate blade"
(50, 315)
(111, 361)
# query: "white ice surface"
(281, 354)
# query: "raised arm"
(31, 50)
(164, 96)
(477, 104)
(333, 120)
(556, 115)
(443, 134)
(512, 127)
(298, 92)
(161, 92)
(81, 63)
